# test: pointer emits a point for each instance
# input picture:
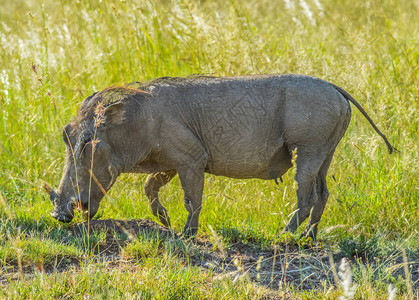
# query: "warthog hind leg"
(322, 196)
(309, 163)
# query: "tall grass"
(53, 54)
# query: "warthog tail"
(361, 109)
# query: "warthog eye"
(85, 139)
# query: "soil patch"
(284, 264)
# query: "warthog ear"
(67, 133)
(114, 113)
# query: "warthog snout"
(65, 213)
(61, 217)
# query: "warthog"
(239, 127)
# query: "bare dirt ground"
(305, 268)
(285, 264)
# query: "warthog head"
(94, 154)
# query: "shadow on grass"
(230, 253)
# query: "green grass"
(157, 279)
(370, 48)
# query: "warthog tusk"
(47, 188)
(75, 203)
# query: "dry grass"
(54, 54)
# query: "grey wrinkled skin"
(239, 127)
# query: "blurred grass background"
(369, 48)
(53, 54)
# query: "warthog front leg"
(193, 185)
(152, 185)
(189, 158)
